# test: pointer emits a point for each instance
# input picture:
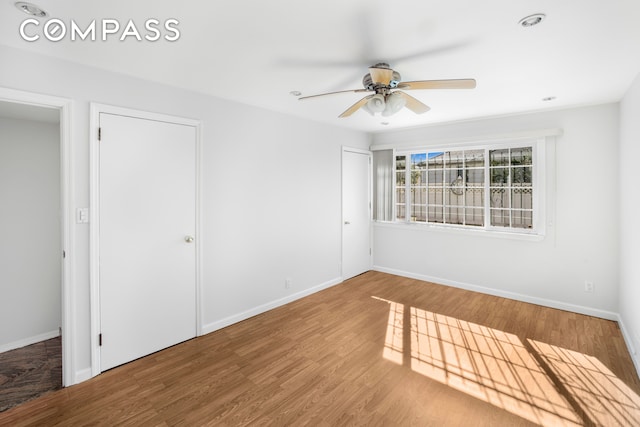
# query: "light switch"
(82, 215)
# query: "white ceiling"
(256, 52)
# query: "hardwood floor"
(375, 350)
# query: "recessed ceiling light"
(295, 93)
(549, 98)
(30, 9)
(532, 20)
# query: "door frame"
(67, 166)
(369, 154)
(94, 206)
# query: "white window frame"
(538, 145)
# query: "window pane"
(521, 176)
(435, 196)
(454, 176)
(454, 196)
(435, 214)
(522, 198)
(423, 178)
(521, 219)
(416, 178)
(401, 163)
(419, 196)
(474, 217)
(499, 157)
(436, 160)
(454, 215)
(500, 217)
(499, 198)
(474, 197)
(499, 176)
(454, 159)
(419, 161)
(418, 213)
(475, 177)
(521, 156)
(474, 158)
(435, 177)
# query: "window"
(475, 187)
(511, 187)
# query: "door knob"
(188, 239)
(347, 223)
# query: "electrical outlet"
(588, 286)
(287, 283)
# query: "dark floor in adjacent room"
(30, 372)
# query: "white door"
(356, 213)
(147, 267)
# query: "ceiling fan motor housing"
(368, 84)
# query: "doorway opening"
(36, 249)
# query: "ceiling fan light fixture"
(394, 103)
(376, 104)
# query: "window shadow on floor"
(545, 384)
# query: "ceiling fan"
(387, 99)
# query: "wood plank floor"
(375, 350)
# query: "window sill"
(512, 235)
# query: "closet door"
(147, 267)
(356, 213)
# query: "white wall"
(272, 210)
(581, 244)
(629, 212)
(271, 189)
(30, 250)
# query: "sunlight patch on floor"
(486, 363)
(393, 342)
(606, 399)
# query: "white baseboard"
(219, 324)
(82, 375)
(28, 341)
(589, 311)
(630, 346)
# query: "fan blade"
(333, 93)
(413, 104)
(349, 111)
(381, 75)
(439, 84)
